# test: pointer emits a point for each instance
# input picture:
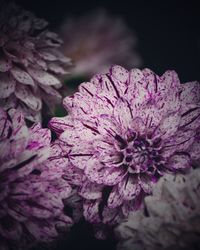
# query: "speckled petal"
(169, 125)
(5, 65)
(90, 211)
(55, 68)
(60, 124)
(91, 191)
(73, 176)
(178, 162)
(114, 199)
(51, 91)
(190, 93)
(129, 187)
(191, 116)
(119, 73)
(94, 171)
(195, 150)
(113, 176)
(43, 77)
(21, 76)
(123, 113)
(7, 86)
(26, 96)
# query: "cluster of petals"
(171, 219)
(30, 62)
(31, 185)
(99, 40)
(124, 130)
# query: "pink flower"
(30, 62)
(126, 129)
(96, 41)
(171, 220)
(31, 184)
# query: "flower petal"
(114, 175)
(95, 171)
(21, 76)
(123, 113)
(190, 93)
(5, 65)
(179, 162)
(26, 96)
(90, 191)
(91, 210)
(129, 187)
(43, 77)
(114, 199)
(169, 125)
(7, 86)
(191, 117)
(60, 124)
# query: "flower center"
(141, 154)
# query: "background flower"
(171, 219)
(30, 62)
(126, 129)
(31, 184)
(97, 40)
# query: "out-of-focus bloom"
(97, 41)
(30, 62)
(31, 184)
(126, 129)
(171, 220)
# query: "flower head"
(96, 38)
(30, 62)
(126, 129)
(31, 187)
(171, 220)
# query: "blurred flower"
(98, 40)
(124, 131)
(172, 218)
(30, 62)
(31, 187)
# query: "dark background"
(168, 31)
(168, 38)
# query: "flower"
(31, 187)
(30, 62)
(97, 40)
(172, 218)
(126, 129)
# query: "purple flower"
(126, 129)
(96, 41)
(31, 184)
(171, 220)
(30, 62)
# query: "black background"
(168, 31)
(168, 38)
